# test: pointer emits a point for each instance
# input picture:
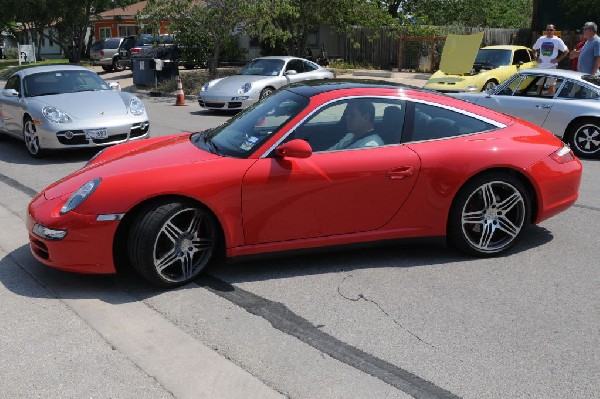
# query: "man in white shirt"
(547, 50)
(360, 116)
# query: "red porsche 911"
(316, 164)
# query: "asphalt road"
(391, 322)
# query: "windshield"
(263, 67)
(493, 57)
(241, 135)
(60, 82)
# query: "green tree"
(69, 20)
(212, 24)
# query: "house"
(121, 22)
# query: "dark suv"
(132, 45)
(105, 52)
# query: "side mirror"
(519, 64)
(296, 148)
(10, 93)
(291, 72)
(114, 86)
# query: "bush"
(11, 53)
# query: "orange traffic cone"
(180, 95)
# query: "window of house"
(126, 30)
(105, 33)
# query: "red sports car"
(313, 165)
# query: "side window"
(353, 124)
(431, 122)
(544, 86)
(521, 56)
(575, 90)
(295, 65)
(309, 66)
(515, 85)
(13, 83)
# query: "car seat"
(390, 129)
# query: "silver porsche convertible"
(567, 103)
(256, 80)
(67, 106)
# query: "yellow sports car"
(465, 68)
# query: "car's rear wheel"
(116, 65)
(171, 242)
(489, 214)
(490, 85)
(266, 92)
(584, 138)
(31, 138)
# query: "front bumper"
(87, 246)
(225, 102)
(61, 136)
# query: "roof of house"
(129, 11)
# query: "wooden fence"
(386, 50)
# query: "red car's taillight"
(563, 155)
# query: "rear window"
(112, 43)
(98, 45)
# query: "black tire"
(489, 214)
(171, 242)
(584, 138)
(489, 85)
(266, 92)
(31, 138)
(116, 65)
(107, 68)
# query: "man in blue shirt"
(589, 57)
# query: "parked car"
(64, 106)
(258, 79)
(132, 45)
(267, 181)
(570, 109)
(466, 69)
(105, 52)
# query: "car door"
(11, 111)
(527, 97)
(298, 66)
(328, 193)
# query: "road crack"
(363, 298)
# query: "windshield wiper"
(207, 139)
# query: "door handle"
(400, 173)
(544, 106)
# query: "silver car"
(256, 80)
(105, 52)
(567, 103)
(64, 106)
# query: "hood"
(139, 157)
(459, 53)
(88, 104)
(231, 84)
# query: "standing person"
(546, 50)
(589, 56)
(574, 55)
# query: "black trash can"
(144, 65)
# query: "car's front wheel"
(31, 138)
(171, 242)
(266, 92)
(584, 138)
(489, 214)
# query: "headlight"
(136, 106)
(55, 115)
(471, 88)
(80, 195)
(245, 88)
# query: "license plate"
(95, 134)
